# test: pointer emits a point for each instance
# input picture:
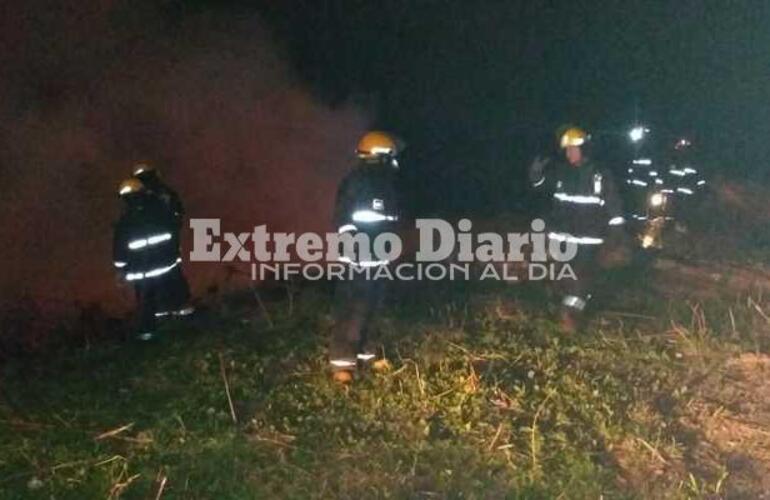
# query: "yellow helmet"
(572, 136)
(142, 167)
(130, 186)
(375, 143)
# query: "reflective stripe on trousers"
(579, 240)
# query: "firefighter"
(150, 177)
(684, 181)
(146, 255)
(367, 202)
(585, 207)
(643, 175)
(645, 190)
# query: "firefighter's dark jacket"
(146, 239)
(371, 187)
(585, 200)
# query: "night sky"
(487, 80)
(253, 107)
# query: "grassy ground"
(656, 398)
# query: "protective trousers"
(355, 303)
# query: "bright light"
(162, 270)
(362, 263)
(642, 161)
(342, 363)
(154, 273)
(150, 240)
(186, 311)
(574, 302)
(137, 244)
(154, 240)
(371, 216)
(637, 133)
(578, 198)
(580, 240)
(657, 199)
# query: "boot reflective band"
(579, 198)
(347, 228)
(119, 264)
(153, 273)
(684, 190)
(365, 357)
(371, 216)
(364, 263)
(151, 240)
(580, 240)
(574, 302)
(636, 182)
(342, 363)
(617, 221)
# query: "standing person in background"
(585, 207)
(685, 182)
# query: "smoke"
(90, 88)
